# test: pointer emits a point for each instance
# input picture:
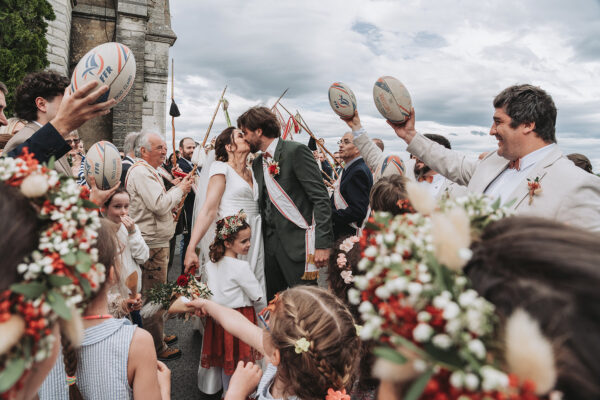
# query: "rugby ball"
(111, 64)
(342, 100)
(103, 162)
(392, 99)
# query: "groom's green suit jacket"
(301, 179)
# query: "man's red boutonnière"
(273, 168)
(535, 188)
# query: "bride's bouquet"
(173, 296)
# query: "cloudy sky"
(453, 57)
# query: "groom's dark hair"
(260, 118)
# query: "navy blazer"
(45, 143)
(355, 187)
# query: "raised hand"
(80, 106)
(98, 195)
(244, 381)
(405, 130)
(353, 122)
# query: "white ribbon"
(288, 209)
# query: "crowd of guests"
(261, 218)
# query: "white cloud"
(453, 57)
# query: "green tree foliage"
(23, 25)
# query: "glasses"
(346, 142)
(73, 141)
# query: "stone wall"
(58, 34)
(145, 27)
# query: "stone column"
(58, 35)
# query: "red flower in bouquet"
(183, 280)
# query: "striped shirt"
(101, 366)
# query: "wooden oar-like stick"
(213, 117)
(277, 102)
(180, 206)
(174, 157)
(321, 145)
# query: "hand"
(405, 130)
(244, 381)
(186, 184)
(199, 305)
(190, 261)
(134, 304)
(176, 181)
(164, 380)
(321, 257)
(98, 195)
(79, 107)
(129, 223)
(353, 122)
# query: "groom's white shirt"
(568, 193)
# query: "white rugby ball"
(392, 99)
(103, 162)
(112, 64)
(342, 100)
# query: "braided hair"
(331, 359)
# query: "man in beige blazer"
(528, 169)
(37, 100)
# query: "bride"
(229, 187)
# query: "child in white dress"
(133, 252)
(234, 285)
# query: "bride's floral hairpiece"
(417, 303)
(57, 277)
(230, 225)
(342, 262)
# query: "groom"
(293, 201)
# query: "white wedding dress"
(238, 195)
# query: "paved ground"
(184, 371)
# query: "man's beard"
(421, 171)
(253, 147)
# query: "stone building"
(145, 27)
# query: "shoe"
(170, 339)
(169, 354)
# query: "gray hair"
(129, 142)
(141, 140)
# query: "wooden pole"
(180, 206)
(303, 125)
(213, 117)
(283, 94)
(174, 157)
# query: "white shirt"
(134, 252)
(272, 147)
(435, 186)
(507, 182)
(233, 284)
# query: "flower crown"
(57, 277)
(231, 225)
(342, 262)
(417, 303)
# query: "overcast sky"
(453, 57)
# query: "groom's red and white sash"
(288, 209)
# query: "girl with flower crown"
(234, 285)
(309, 342)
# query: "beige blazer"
(569, 194)
(61, 165)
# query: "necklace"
(97, 316)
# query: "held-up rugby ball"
(111, 64)
(342, 100)
(392, 99)
(103, 162)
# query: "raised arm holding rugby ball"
(527, 171)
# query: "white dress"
(238, 195)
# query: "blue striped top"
(101, 366)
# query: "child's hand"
(128, 223)
(244, 381)
(199, 305)
(164, 380)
